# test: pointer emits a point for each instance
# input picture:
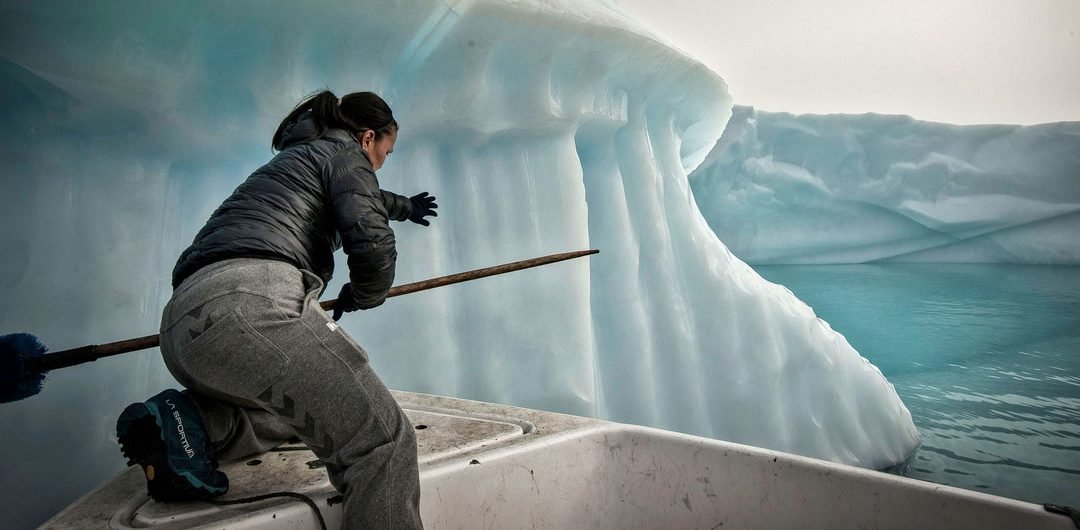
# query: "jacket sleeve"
(361, 219)
(398, 207)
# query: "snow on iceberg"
(779, 188)
(542, 126)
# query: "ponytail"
(355, 112)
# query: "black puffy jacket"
(317, 195)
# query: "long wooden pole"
(93, 352)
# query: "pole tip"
(16, 381)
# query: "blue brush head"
(15, 381)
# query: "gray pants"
(265, 364)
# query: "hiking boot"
(166, 437)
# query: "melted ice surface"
(779, 188)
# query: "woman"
(244, 333)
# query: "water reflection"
(986, 357)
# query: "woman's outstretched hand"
(423, 205)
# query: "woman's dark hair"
(355, 112)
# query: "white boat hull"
(493, 466)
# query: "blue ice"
(780, 188)
(542, 126)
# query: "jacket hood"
(304, 129)
(300, 130)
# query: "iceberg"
(798, 189)
(542, 127)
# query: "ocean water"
(986, 357)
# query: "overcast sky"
(954, 61)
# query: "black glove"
(422, 205)
(347, 303)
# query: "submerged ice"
(542, 126)
(779, 188)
